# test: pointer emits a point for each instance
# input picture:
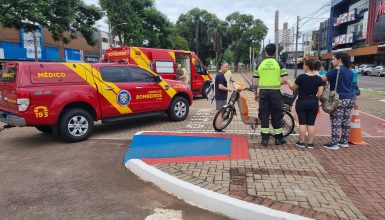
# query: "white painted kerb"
(206, 199)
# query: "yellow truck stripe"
(172, 54)
(83, 74)
(143, 61)
(109, 95)
(142, 57)
(205, 77)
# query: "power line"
(314, 18)
(309, 19)
(312, 15)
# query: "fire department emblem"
(124, 98)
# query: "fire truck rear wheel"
(179, 109)
(76, 125)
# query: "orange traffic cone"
(355, 136)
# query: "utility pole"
(35, 43)
(110, 35)
(296, 49)
(318, 48)
(250, 58)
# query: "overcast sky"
(263, 10)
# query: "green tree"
(217, 32)
(139, 23)
(125, 18)
(228, 55)
(194, 27)
(178, 42)
(244, 32)
(66, 20)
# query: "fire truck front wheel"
(179, 109)
(76, 125)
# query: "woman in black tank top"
(310, 89)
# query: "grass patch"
(374, 92)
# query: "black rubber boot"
(265, 140)
(279, 139)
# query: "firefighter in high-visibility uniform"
(269, 75)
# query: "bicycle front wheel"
(223, 118)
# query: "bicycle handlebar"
(250, 89)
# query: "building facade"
(323, 33)
(357, 28)
(19, 45)
(316, 44)
(307, 44)
(286, 38)
(106, 41)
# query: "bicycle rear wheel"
(223, 118)
(288, 124)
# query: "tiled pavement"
(368, 102)
(348, 183)
(322, 184)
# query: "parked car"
(361, 68)
(377, 71)
(380, 71)
(371, 71)
(66, 98)
(368, 69)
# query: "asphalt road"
(41, 178)
(366, 82)
(372, 82)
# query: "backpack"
(210, 91)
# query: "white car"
(366, 69)
(361, 68)
(377, 71)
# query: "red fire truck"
(164, 62)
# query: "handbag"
(330, 99)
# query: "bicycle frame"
(243, 109)
(236, 97)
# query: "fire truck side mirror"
(158, 79)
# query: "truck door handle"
(109, 88)
(139, 87)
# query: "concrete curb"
(203, 198)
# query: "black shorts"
(307, 110)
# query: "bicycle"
(226, 114)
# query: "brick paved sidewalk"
(317, 183)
